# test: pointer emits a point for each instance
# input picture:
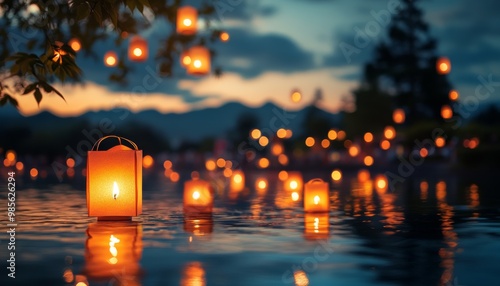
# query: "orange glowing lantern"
(224, 36)
(114, 181)
(316, 226)
(200, 61)
(443, 65)
(198, 197)
(294, 182)
(316, 196)
(187, 18)
(138, 49)
(237, 181)
(110, 59)
(453, 95)
(381, 184)
(398, 116)
(389, 132)
(261, 184)
(111, 248)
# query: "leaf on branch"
(30, 88)
(38, 96)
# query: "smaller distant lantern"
(294, 182)
(200, 61)
(446, 112)
(198, 197)
(187, 18)
(138, 49)
(110, 59)
(443, 65)
(316, 196)
(237, 181)
(224, 36)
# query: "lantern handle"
(98, 142)
(316, 180)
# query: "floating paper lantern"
(443, 65)
(114, 181)
(111, 248)
(294, 182)
(198, 197)
(237, 181)
(316, 196)
(138, 49)
(316, 226)
(110, 59)
(187, 18)
(200, 61)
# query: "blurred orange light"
(174, 177)
(389, 132)
(368, 160)
(255, 134)
(296, 96)
(398, 116)
(295, 196)
(261, 184)
(283, 159)
(332, 134)
(424, 152)
(263, 141)
(336, 175)
(277, 149)
(229, 164)
(70, 162)
(353, 151)
(19, 166)
(263, 163)
(187, 17)
(446, 112)
(210, 165)
(310, 141)
(341, 135)
(110, 59)
(385, 144)
(443, 65)
(147, 161)
(289, 133)
(368, 137)
(347, 143)
(363, 175)
(11, 155)
(325, 143)
(283, 175)
(221, 163)
(227, 172)
(224, 36)
(453, 95)
(33, 172)
(167, 164)
(440, 142)
(75, 44)
(281, 133)
(473, 143)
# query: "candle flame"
(294, 185)
(316, 200)
(196, 195)
(116, 190)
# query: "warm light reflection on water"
(423, 231)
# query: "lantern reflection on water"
(316, 226)
(199, 225)
(193, 274)
(113, 251)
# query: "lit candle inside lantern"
(294, 182)
(198, 197)
(138, 49)
(316, 226)
(187, 17)
(116, 191)
(113, 247)
(237, 181)
(316, 196)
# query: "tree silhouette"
(404, 71)
(34, 34)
